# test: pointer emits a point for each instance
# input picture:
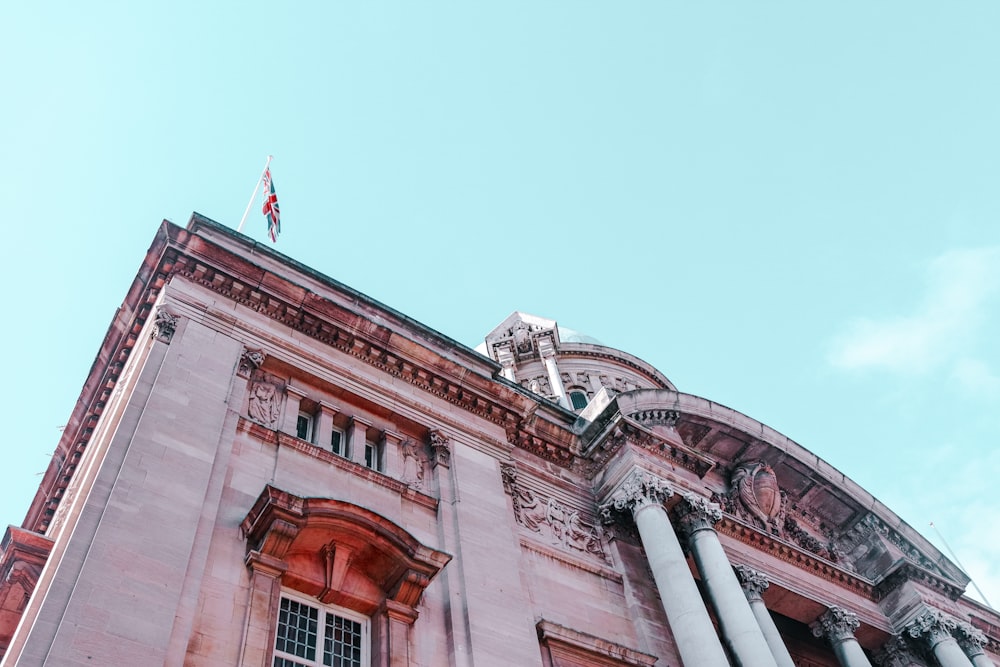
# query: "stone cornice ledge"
(555, 635)
(791, 553)
(904, 570)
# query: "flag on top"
(271, 207)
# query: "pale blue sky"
(789, 208)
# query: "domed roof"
(567, 335)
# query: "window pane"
(297, 625)
(302, 427)
(342, 643)
(369, 456)
(579, 399)
(335, 443)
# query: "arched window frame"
(313, 546)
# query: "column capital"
(440, 449)
(697, 513)
(836, 624)
(754, 583)
(931, 626)
(896, 653)
(639, 489)
(970, 638)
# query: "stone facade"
(266, 467)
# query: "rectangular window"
(311, 635)
(337, 443)
(373, 458)
(303, 426)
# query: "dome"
(571, 336)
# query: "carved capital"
(638, 490)
(508, 476)
(754, 583)
(932, 627)
(697, 513)
(970, 639)
(164, 325)
(836, 624)
(250, 360)
(440, 449)
(896, 653)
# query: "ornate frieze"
(836, 625)
(164, 325)
(563, 526)
(932, 627)
(626, 432)
(753, 582)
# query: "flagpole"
(254, 195)
(959, 563)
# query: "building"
(266, 467)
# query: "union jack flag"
(271, 207)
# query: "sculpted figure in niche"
(413, 465)
(265, 399)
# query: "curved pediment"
(768, 482)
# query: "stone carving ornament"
(413, 464)
(250, 360)
(266, 394)
(638, 490)
(837, 624)
(164, 325)
(755, 496)
(897, 653)
(564, 526)
(753, 582)
(932, 626)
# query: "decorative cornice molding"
(836, 625)
(627, 432)
(905, 571)
(795, 555)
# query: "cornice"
(905, 571)
(179, 253)
(800, 558)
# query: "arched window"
(320, 561)
(578, 399)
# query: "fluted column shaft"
(740, 628)
(754, 584)
(838, 626)
(642, 495)
(935, 629)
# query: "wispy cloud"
(960, 284)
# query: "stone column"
(547, 353)
(754, 584)
(935, 630)
(641, 495)
(896, 653)
(740, 629)
(838, 626)
(293, 398)
(357, 438)
(972, 641)
(323, 428)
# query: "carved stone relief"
(413, 464)
(164, 325)
(250, 360)
(560, 525)
(440, 449)
(267, 394)
(756, 498)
